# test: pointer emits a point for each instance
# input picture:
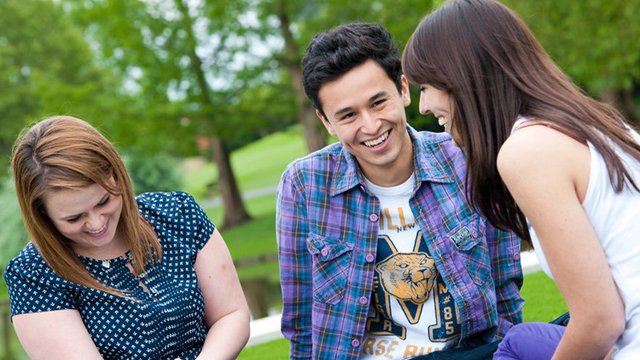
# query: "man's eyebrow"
(342, 111)
(348, 109)
(378, 96)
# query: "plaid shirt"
(327, 230)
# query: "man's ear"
(326, 123)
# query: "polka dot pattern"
(166, 318)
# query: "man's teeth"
(442, 120)
(377, 141)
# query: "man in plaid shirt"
(381, 256)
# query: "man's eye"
(378, 103)
(348, 116)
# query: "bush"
(13, 236)
(153, 173)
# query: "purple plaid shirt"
(327, 230)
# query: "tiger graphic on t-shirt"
(408, 276)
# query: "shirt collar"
(429, 162)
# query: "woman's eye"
(104, 201)
(73, 219)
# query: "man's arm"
(292, 230)
(504, 249)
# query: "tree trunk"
(235, 212)
(312, 130)
(623, 101)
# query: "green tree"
(292, 24)
(229, 69)
(46, 68)
(594, 41)
(171, 60)
(153, 173)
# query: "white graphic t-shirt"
(412, 312)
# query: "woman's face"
(88, 217)
(438, 103)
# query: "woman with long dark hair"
(540, 152)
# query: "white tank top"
(615, 218)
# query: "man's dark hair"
(334, 52)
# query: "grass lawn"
(543, 303)
(255, 166)
(254, 238)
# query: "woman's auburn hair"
(64, 152)
(486, 58)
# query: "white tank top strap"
(519, 121)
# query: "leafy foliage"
(594, 41)
(13, 235)
(309, 17)
(42, 72)
(153, 173)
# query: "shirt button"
(324, 252)
(355, 342)
(373, 217)
(516, 256)
(370, 258)
(363, 300)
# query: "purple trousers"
(530, 341)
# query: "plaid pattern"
(327, 229)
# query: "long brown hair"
(486, 58)
(64, 152)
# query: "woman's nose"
(422, 105)
(94, 222)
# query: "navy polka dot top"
(166, 321)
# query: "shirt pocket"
(331, 267)
(470, 240)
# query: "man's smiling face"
(365, 110)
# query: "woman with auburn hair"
(543, 153)
(111, 275)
